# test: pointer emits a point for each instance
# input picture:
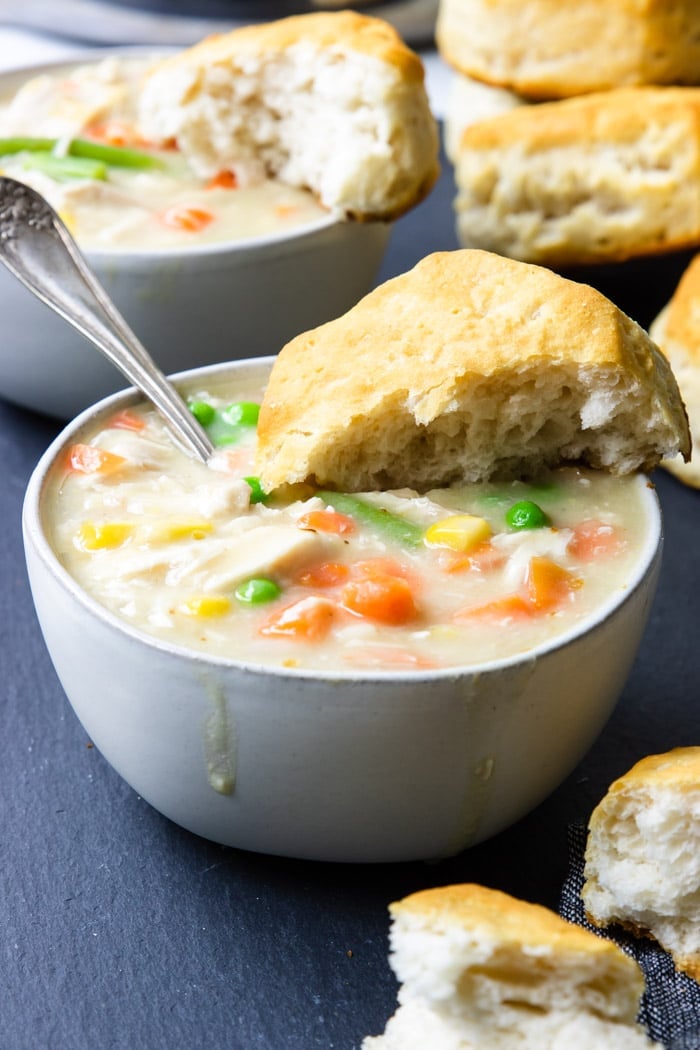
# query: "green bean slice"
(114, 156)
(390, 525)
(66, 167)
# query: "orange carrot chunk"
(187, 217)
(223, 180)
(381, 597)
(127, 420)
(549, 585)
(512, 607)
(327, 521)
(483, 558)
(89, 459)
(386, 656)
(113, 132)
(325, 574)
(379, 566)
(308, 619)
(595, 539)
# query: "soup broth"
(200, 557)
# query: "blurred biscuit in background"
(677, 331)
(549, 49)
(601, 178)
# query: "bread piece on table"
(334, 102)
(468, 366)
(677, 331)
(642, 866)
(602, 178)
(479, 969)
(550, 49)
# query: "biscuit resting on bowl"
(333, 102)
(467, 367)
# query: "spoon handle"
(36, 246)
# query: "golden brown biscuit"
(333, 102)
(642, 866)
(480, 968)
(468, 366)
(677, 332)
(602, 178)
(550, 49)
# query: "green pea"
(526, 515)
(241, 413)
(202, 411)
(257, 590)
(257, 493)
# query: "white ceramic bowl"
(359, 767)
(189, 307)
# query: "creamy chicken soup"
(200, 557)
(72, 135)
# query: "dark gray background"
(120, 930)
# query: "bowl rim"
(106, 254)
(33, 518)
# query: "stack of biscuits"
(574, 129)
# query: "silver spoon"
(38, 249)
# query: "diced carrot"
(381, 597)
(69, 86)
(113, 132)
(285, 211)
(483, 559)
(187, 217)
(308, 619)
(223, 180)
(549, 585)
(500, 610)
(595, 539)
(325, 574)
(386, 656)
(127, 420)
(327, 521)
(89, 459)
(371, 567)
(238, 460)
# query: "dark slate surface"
(120, 930)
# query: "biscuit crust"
(332, 102)
(468, 366)
(641, 867)
(602, 178)
(677, 332)
(548, 49)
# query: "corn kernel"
(93, 536)
(206, 605)
(68, 219)
(169, 531)
(462, 532)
